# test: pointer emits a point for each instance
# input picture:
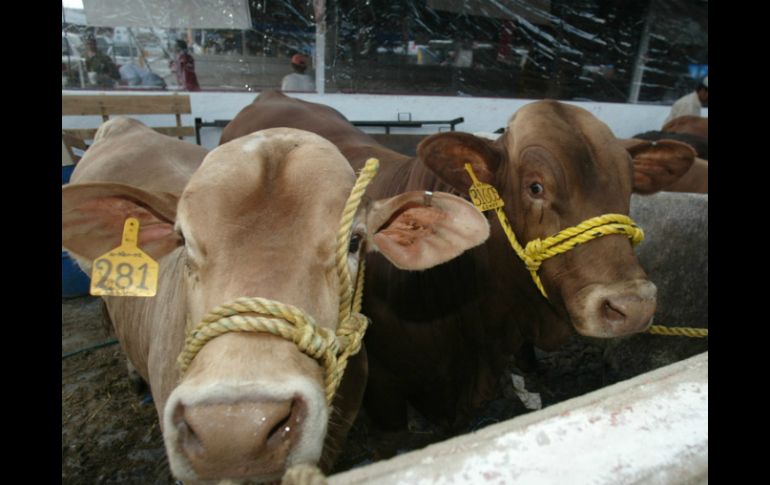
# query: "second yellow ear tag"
(483, 196)
(125, 270)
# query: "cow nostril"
(189, 438)
(284, 429)
(612, 314)
(282, 425)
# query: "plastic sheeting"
(563, 49)
(198, 14)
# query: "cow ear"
(447, 153)
(93, 215)
(418, 230)
(658, 164)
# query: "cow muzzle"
(247, 427)
(239, 440)
(613, 310)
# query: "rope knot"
(312, 340)
(354, 323)
(534, 248)
(351, 332)
(533, 254)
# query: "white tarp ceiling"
(169, 14)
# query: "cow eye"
(536, 188)
(355, 243)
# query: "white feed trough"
(649, 429)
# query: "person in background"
(134, 75)
(101, 70)
(184, 68)
(691, 104)
(298, 80)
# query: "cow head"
(259, 218)
(556, 166)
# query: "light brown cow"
(259, 217)
(443, 336)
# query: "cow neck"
(538, 250)
(332, 349)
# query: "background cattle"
(257, 217)
(692, 130)
(693, 125)
(440, 337)
(699, 144)
(694, 180)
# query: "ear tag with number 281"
(125, 270)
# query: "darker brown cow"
(440, 337)
(257, 217)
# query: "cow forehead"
(561, 128)
(274, 177)
(277, 160)
(558, 117)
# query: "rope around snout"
(283, 320)
(538, 250)
(678, 331)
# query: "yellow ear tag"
(125, 270)
(483, 196)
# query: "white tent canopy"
(180, 14)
